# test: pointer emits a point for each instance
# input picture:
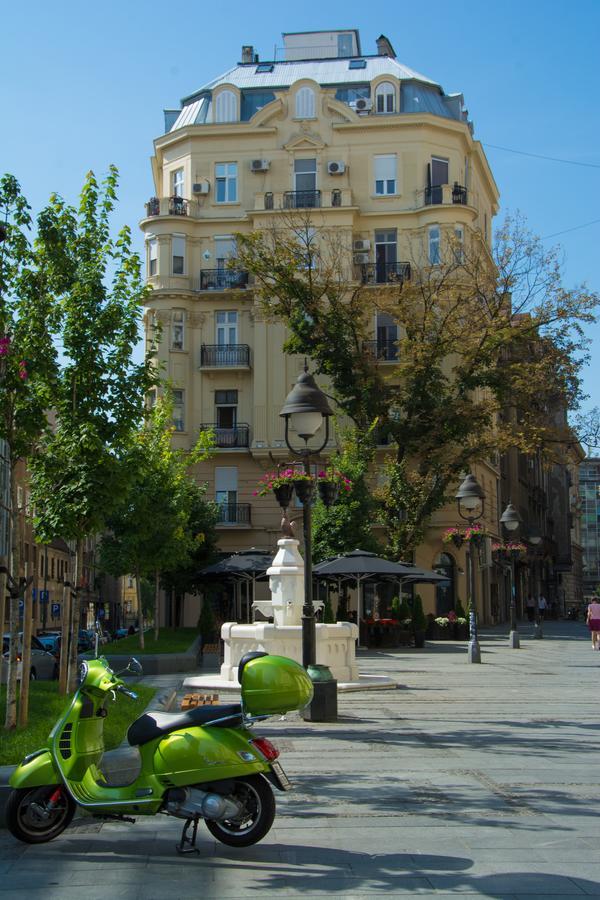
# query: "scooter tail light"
(265, 748)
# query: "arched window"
(445, 593)
(226, 107)
(385, 98)
(305, 103)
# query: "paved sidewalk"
(478, 780)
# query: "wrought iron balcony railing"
(384, 273)
(225, 355)
(441, 193)
(223, 279)
(386, 351)
(234, 514)
(170, 206)
(301, 199)
(238, 436)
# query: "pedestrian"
(530, 607)
(593, 622)
(542, 607)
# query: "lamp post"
(511, 520)
(470, 501)
(304, 410)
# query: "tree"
(347, 524)
(99, 394)
(28, 367)
(489, 346)
(151, 528)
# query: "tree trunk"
(3, 562)
(138, 591)
(10, 720)
(26, 654)
(64, 637)
(156, 604)
(75, 617)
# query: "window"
(225, 249)
(177, 330)
(52, 568)
(226, 107)
(434, 245)
(178, 251)
(385, 174)
(177, 183)
(153, 256)
(386, 255)
(264, 67)
(226, 487)
(226, 408)
(178, 410)
(226, 323)
(252, 101)
(305, 175)
(345, 45)
(357, 64)
(305, 103)
(387, 337)
(459, 244)
(226, 182)
(437, 176)
(356, 92)
(385, 98)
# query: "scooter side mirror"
(134, 666)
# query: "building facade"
(589, 493)
(361, 144)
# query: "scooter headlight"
(83, 670)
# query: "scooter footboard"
(36, 770)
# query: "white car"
(43, 664)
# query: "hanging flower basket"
(283, 483)
(283, 494)
(328, 492)
(453, 536)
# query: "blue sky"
(84, 85)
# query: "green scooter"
(200, 764)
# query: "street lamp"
(304, 410)
(470, 501)
(511, 520)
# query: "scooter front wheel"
(258, 802)
(38, 815)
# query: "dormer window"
(226, 107)
(305, 103)
(385, 98)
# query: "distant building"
(589, 493)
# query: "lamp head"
(470, 493)
(510, 518)
(305, 406)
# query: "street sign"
(33, 593)
(55, 610)
(100, 612)
(44, 595)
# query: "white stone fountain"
(283, 636)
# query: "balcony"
(445, 195)
(383, 351)
(234, 514)
(223, 279)
(384, 273)
(228, 438)
(338, 198)
(172, 206)
(225, 356)
(301, 199)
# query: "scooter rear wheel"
(259, 812)
(29, 819)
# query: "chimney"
(384, 48)
(248, 54)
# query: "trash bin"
(323, 707)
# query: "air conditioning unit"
(200, 187)
(361, 105)
(336, 167)
(260, 165)
(361, 258)
(361, 245)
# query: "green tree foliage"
(98, 397)
(153, 526)
(490, 346)
(28, 369)
(419, 622)
(346, 525)
(207, 625)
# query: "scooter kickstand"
(181, 846)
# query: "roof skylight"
(357, 64)
(264, 67)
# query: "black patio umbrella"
(361, 566)
(245, 566)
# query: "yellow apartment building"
(368, 147)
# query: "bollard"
(538, 631)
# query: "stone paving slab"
(466, 780)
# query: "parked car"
(120, 633)
(43, 664)
(50, 643)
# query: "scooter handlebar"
(131, 694)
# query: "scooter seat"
(154, 724)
